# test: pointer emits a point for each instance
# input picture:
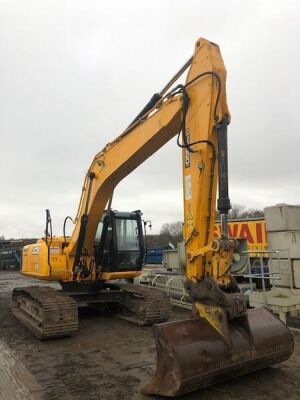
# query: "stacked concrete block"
(296, 271)
(175, 259)
(288, 242)
(283, 232)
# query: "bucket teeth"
(192, 355)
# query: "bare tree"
(172, 229)
(171, 232)
(253, 213)
(239, 211)
(236, 211)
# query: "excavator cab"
(119, 242)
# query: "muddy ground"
(109, 358)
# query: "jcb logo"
(36, 250)
(187, 156)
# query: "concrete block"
(287, 242)
(290, 270)
(282, 217)
(279, 300)
(182, 256)
(296, 270)
(171, 259)
(284, 268)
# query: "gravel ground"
(109, 358)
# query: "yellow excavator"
(222, 339)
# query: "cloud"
(73, 76)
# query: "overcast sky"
(74, 73)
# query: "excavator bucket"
(192, 355)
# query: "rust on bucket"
(191, 354)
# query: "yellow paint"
(106, 276)
(201, 167)
(37, 255)
(215, 316)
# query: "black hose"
(185, 104)
(219, 88)
(48, 224)
(64, 227)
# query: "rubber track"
(154, 306)
(48, 313)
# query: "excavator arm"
(198, 109)
(117, 160)
(112, 164)
(195, 109)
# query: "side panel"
(35, 262)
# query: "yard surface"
(109, 358)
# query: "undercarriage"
(50, 313)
